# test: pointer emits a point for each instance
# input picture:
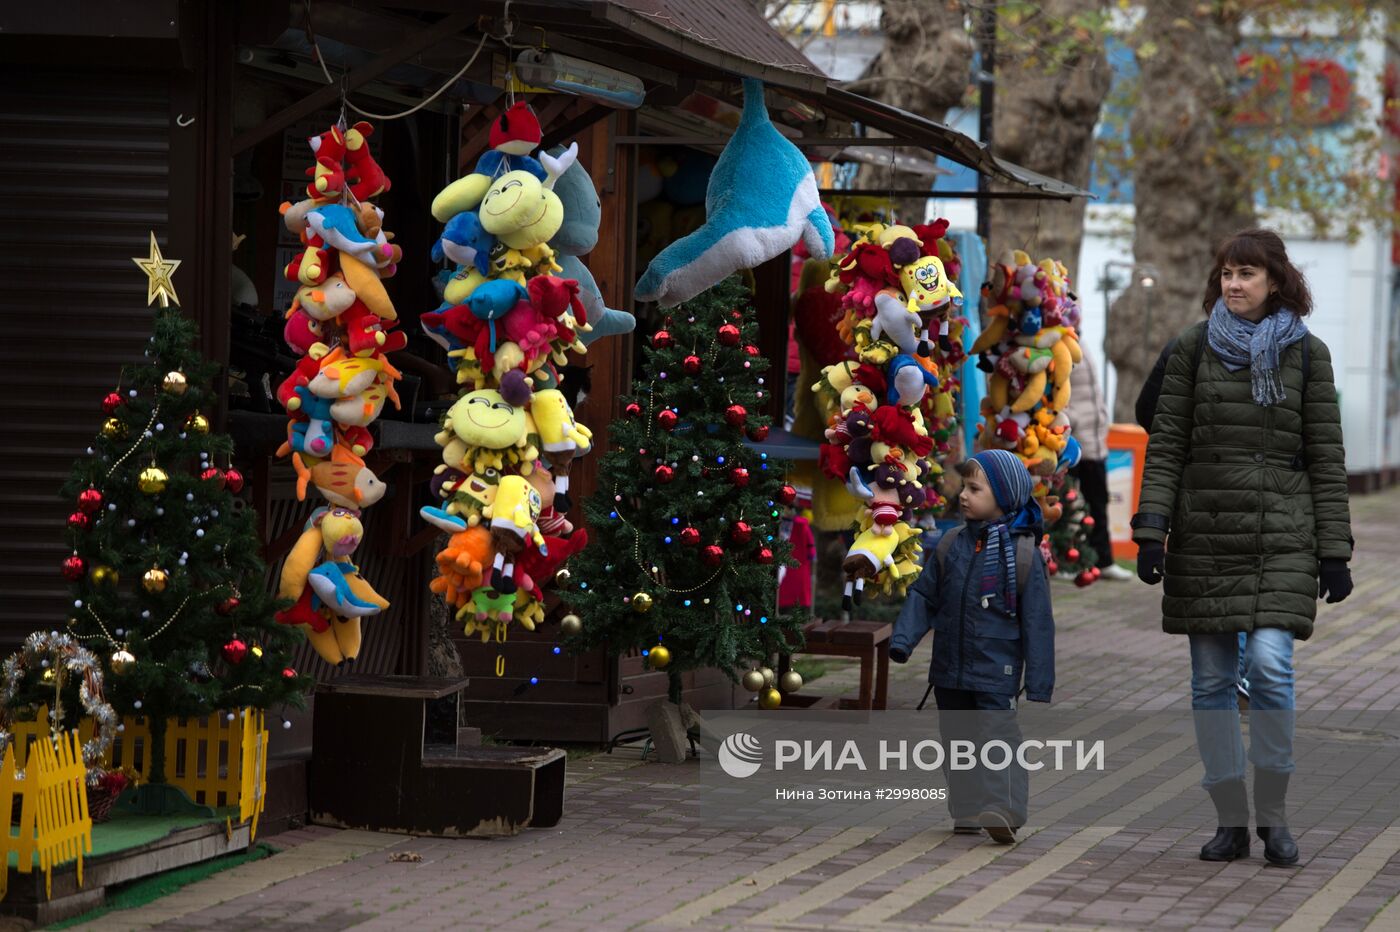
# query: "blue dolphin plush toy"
(762, 198)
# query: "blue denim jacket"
(976, 648)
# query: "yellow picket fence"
(216, 762)
(53, 821)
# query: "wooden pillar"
(772, 302)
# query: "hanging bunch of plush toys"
(506, 320)
(1029, 348)
(341, 323)
(891, 412)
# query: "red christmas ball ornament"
(289, 673)
(712, 555)
(690, 536)
(633, 410)
(664, 473)
(741, 532)
(739, 476)
(736, 415)
(758, 434)
(787, 495)
(750, 350)
(1052, 567)
(765, 556)
(1072, 554)
(692, 365)
(233, 481)
(213, 474)
(89, 501)
(1084, 579)
(79, 521)
(111, 403)
(227, 606)
(1088, 521)
(235, 650)
(74, 567)
(1095, 572)
(1071, 495)
(667, 419)
(662, 339)
(729, 335)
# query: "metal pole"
(986, 105)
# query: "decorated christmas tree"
(684, 547)
(1070, 549)
(167, 583)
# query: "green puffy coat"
(1249, 498)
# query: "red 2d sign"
(1319, 92)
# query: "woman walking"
(1246, 479)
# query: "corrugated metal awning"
(729, 34)
(941, 139)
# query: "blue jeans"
(1268, 663)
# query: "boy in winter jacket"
(986, 596)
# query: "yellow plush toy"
(328, 593)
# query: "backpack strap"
(945, 543)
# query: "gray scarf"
(1239, 343)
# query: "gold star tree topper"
(158, 271)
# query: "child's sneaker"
(964, 828)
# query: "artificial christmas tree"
(684, 545)
(1070, 550)
(167, 583)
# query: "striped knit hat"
(1011, 487)
(1010, 480)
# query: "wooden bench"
(867, 640)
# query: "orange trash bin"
(1127, 452)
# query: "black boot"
(1231, 839)
(1271, 817)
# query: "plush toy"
(338, 226)
(302, 331)
(465, 242)
(577, 236)
(514, 514)
(367, 178)
(462, 565)
(325, 301)
(487, 425)
(561, 440)
(762, 198)
(315, 434)
(328, 540)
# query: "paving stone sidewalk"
(629, 854)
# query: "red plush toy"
(366, 178)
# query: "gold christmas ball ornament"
(570, 625)
(152, 480)
(197, 423)
(256, 651)
(122, 661)
(104, 575)
(752, 681)
(175, 382)
(48, 675)
(641, 603)
(154, 580)
(113, 429)
(769, 677)
(770, 699)
(658, 657)
(790, 682)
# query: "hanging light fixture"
(567, 75)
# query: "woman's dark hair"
(1262, 249)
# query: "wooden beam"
(815, 142)
(574, 125)
(330, 94)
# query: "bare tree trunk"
(1044, 120)
(923, 68)
(1187, 197)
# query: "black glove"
(899, 655)
(1334, 579)
(1151, 560)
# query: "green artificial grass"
(127, 830)
(149, 889)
